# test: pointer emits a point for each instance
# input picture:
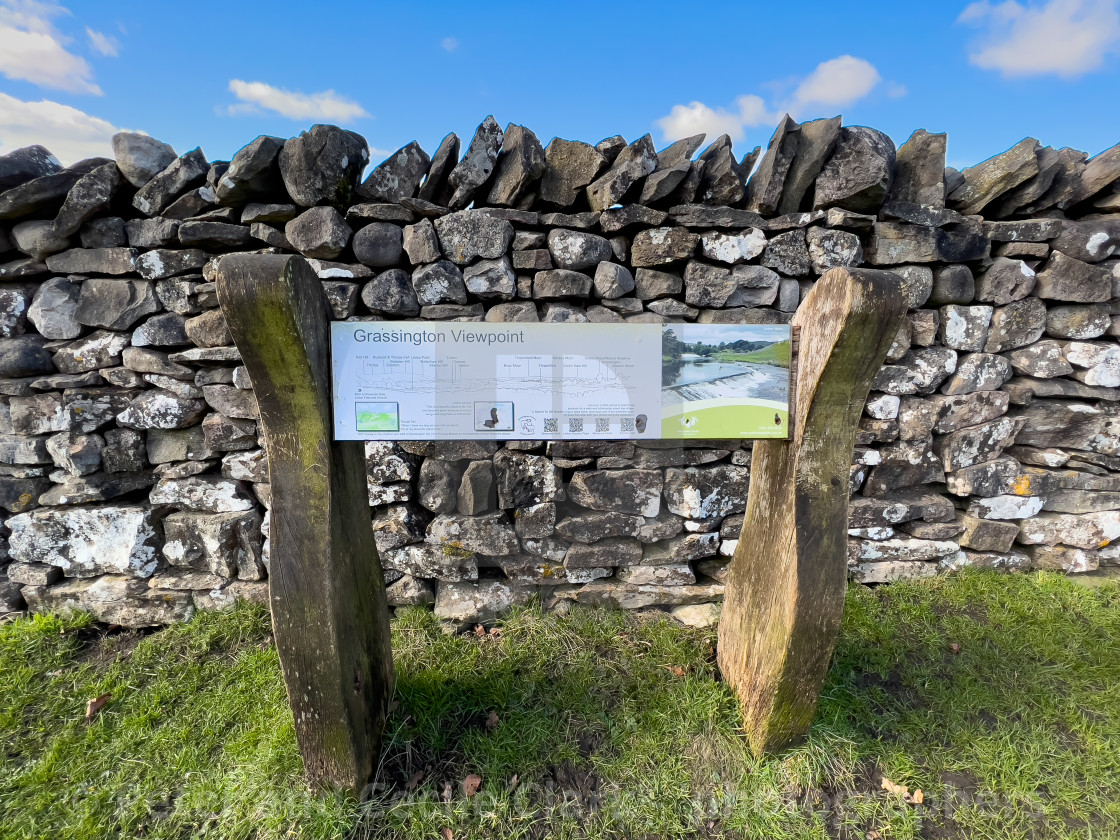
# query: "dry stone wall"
(132, 479)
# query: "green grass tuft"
(598, 724)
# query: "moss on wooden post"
(327, 593)
(785, 587)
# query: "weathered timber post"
(785, 587)
(329, 613)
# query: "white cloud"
(326, 105)
(835, 83)
(34, 51)
(698, 118)
(71, 134)
(1066, 38)
(102, 43)
(450, 44)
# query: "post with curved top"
(784, 596)
(329, 613)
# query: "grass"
(597, 724)
(776, 354)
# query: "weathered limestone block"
(409, 591)
(1016, 325)
(1068, 279)
(477, 164)
(1088, 531)
(491, 534)
(592, 527)
(224, 544)
(920, 371)
(535, 521)
(987, 535)
(978, 372)
(904, 464)
(1043, 359)
(965, 327)
(899, 549)
(618, 595)
(681, 549)
(659, 246)
(444, 563)
(830, 248)
(1005, 281)
(706, 493)
(113, 599)
(636, 492)
(85, 542)
(732, 248)
(1005, 507)
(976, 444)
(674, 574)
(470, 234)
(160, 409)
(477, 493)
(1078, 321)
(1068, 424)
(632, 164)
(858, 175)
(524, 479)
(744, 285)
(889, 571)
(468, 603)
(395, 526)
(207, 494)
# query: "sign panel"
(412, 380)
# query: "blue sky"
(219, 74)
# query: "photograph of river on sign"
(725, 380)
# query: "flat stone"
(1042, 359)
(636, 492)
(90, 196)
(706, 493)
(467, 603)
(993, 177)
(26, 164)
(159, 409)
(113, 599)
(208, 494)
(99, 487)
(162, 263)
(1067, 279)
(976, 444)
(1078, 321)
(524, 479)
(85, 542)
(44, 194)
(489, 534)
(115, 304)
(920, 371)
(561, 283)
(435, 193)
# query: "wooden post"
(785, 587)
(329, 613)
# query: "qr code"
(602, 424)
(627, 424)
(550, 425)
(575, 424)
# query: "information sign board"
(411, 380)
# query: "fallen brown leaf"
(495, 632)
(916, 798)
(492, 722)
(471, 784)
(447, 834)
(414, 782)
(480, 631)
(513, 780)
(445, 792)
(676, 670)
(893, 789)
(955, 648)
(95, 705)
